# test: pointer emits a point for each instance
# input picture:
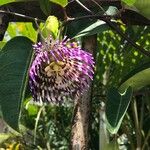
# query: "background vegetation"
(120, 113)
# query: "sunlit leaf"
(31, 108)
(137, 78)
(2, 43)
(21, 29)
(3, 137)
(63, 3)
(51, 27)
(116, 107)
(129, 2)
(15, 58)
(2, 2)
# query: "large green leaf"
(95, 28)
(116, 107)
(15, 58)
(137, 78)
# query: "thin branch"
(21, 15)
(137, 125)
(85, 8)
(146, 140)
(101, 17)
(39, 30)
(36, 123)
(99, 6)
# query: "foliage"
(118, 66)
(141, 6)
(14, 59)
(116, 107)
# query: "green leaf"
(97, 27)
(21, 29)
(137, 78)
(31, 108)
(63, 3)
(129, 2)
(51, 27)
(2, 2)
(84, 28)
(143, 7)
(116, 107)
(112, 10)
(140, 6)
(4, 136)
(2, 43)
(15, 59)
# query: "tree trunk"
(82, 109)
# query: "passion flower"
(60, 70)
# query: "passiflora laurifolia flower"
(60, 69)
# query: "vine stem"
(146, 140)
(137, 125)
(21, 15)
(36, 123)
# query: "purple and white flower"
(60, 69)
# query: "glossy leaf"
(15, 58)
(86, 28)
(143, 7)
(137, 78)
(116, 107)
(63, 3)
(95, 28)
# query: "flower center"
(54, 67)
